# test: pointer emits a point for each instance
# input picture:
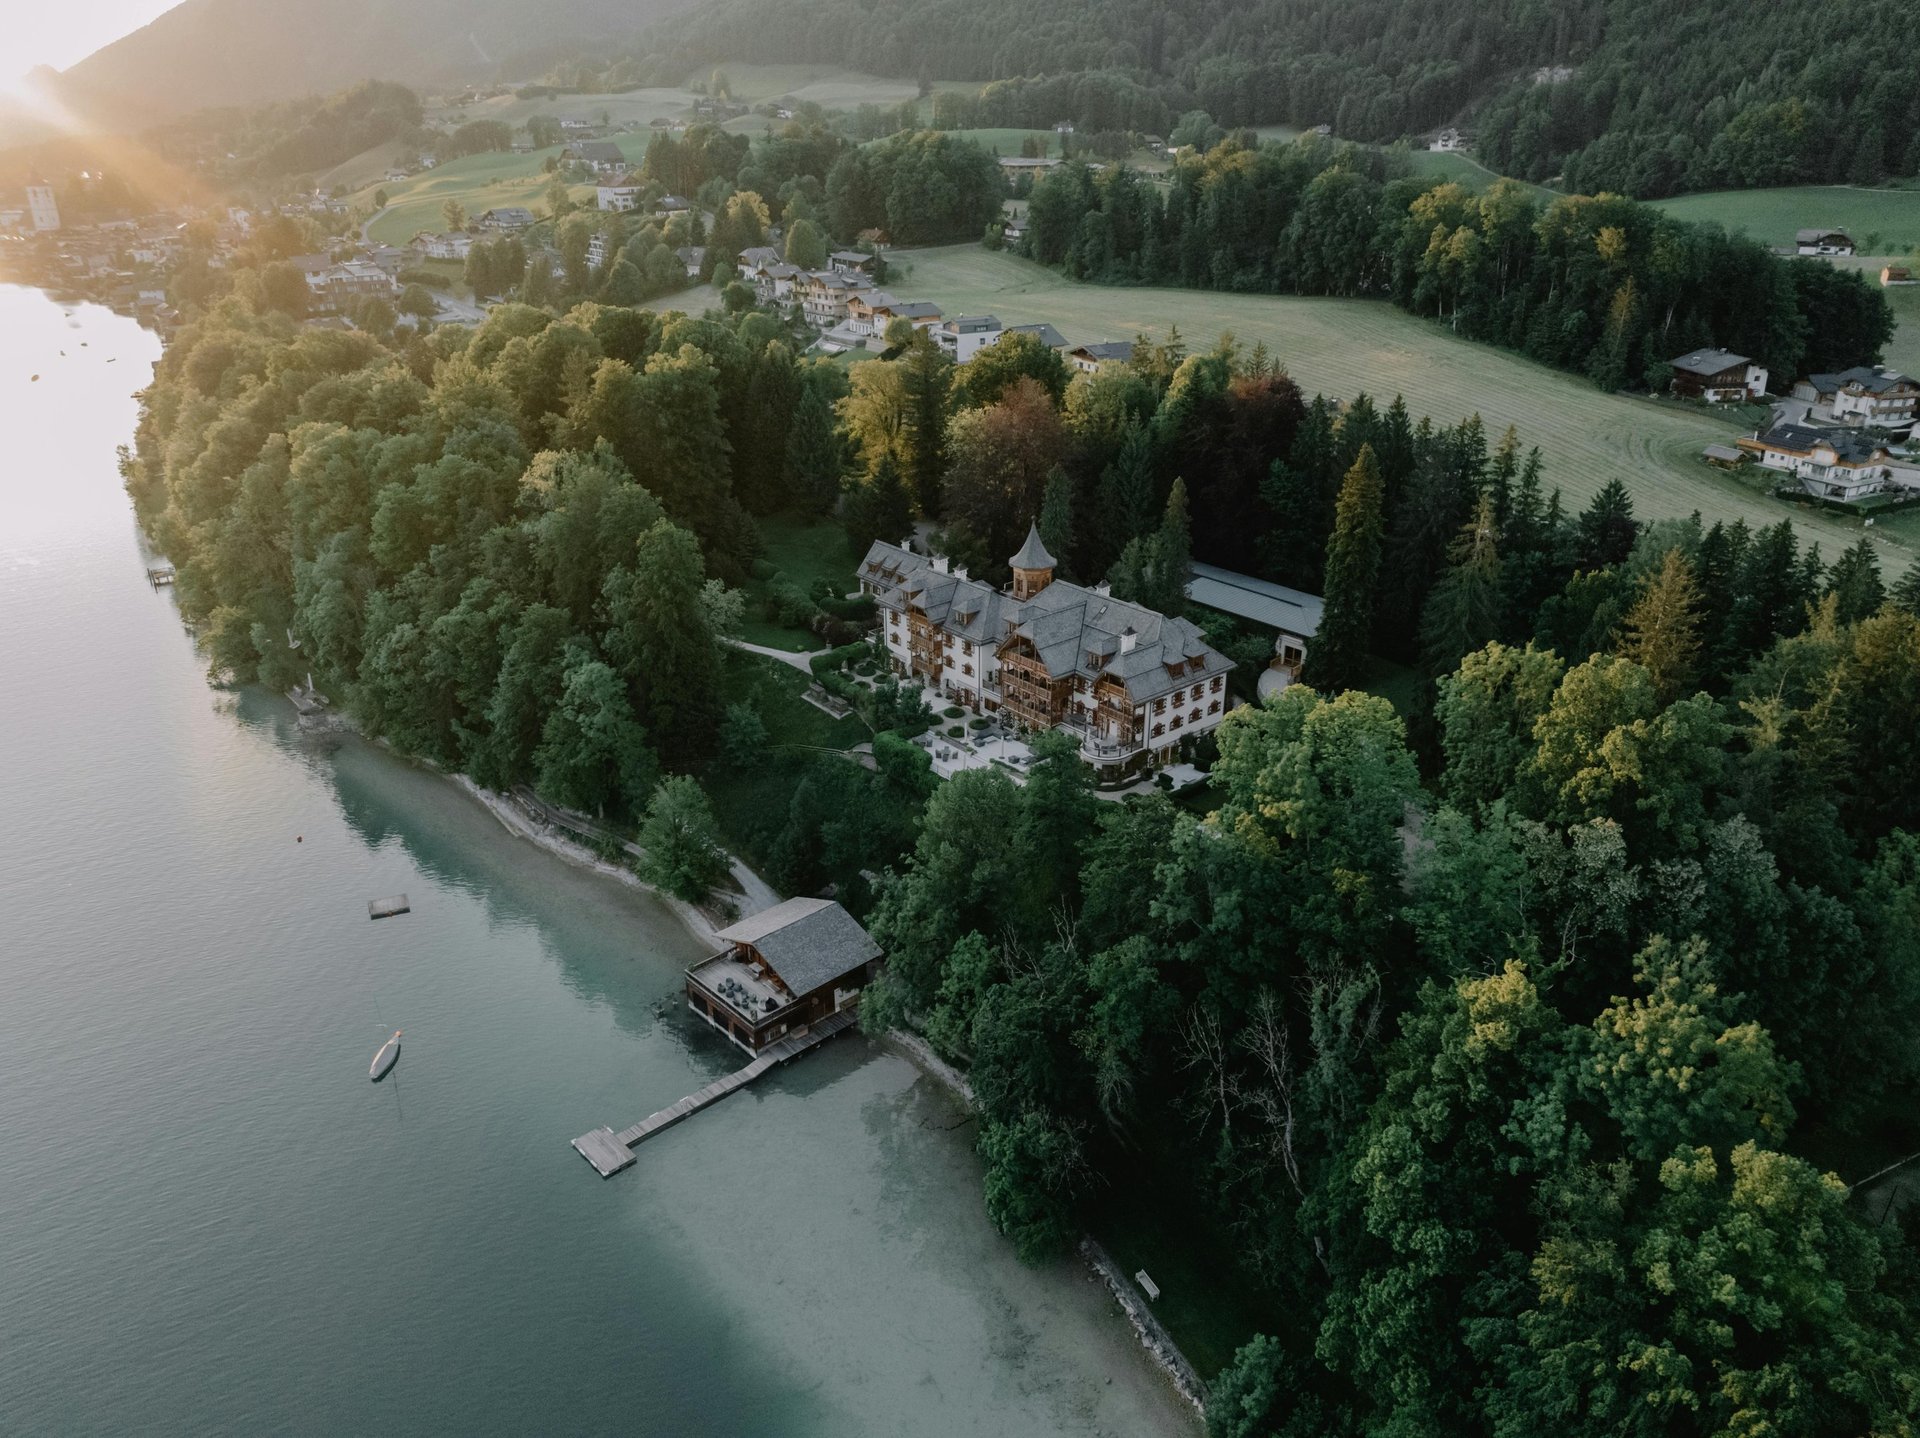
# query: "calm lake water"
(211, 1222)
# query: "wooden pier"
(609, 1152)
(160, 575)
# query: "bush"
(788, 604)
(956, 732)
(432, 279)
(951, 712)
(861, 606)
(832, 659)
(978, 724)
(835, 683)
(763, 570)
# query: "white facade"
(964, 336)
(42, 208)
(618, 198)
(1833, 465)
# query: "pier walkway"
(609, 1152)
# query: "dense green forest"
(1505, 1046)
(1632, 96)
(1608, 287)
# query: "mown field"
(480, 182)
(1464, 170)
(1881, 222)
(1341, 347)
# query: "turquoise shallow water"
(211, 1222)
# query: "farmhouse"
(693, 258)
(1292, 614)
(667, 206)
(852, 261)
(506, 217)
(1822, 242)
(1834, 464)
(618, 198)
(783, 970)
(1872, 396)
(1129, 683)
(1718, 377)
(1091, 359)
(1447, 141)
(964, 336)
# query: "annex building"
(1131, 684)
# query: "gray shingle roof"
(807, 942)
(1710, 362)
(1872, 379)
(1033, 554)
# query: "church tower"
(1032, 566)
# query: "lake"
(211, 1222)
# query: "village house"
(1447, 141)
(1718, 377)
(1015, 165)
(603, 157)
(782, 971)
(1877, 397)
(506, 218)
(1091, 359)
(667, 206)
(1292, 614)
(617, 198)
(1833, 464)
(434, 245)
(852, 261)
(964, 336)
(693, 259)
(1892, 276)
(1045, 333)
(1129, 683)
(868, 315)
(1822, 242)
(823, 295)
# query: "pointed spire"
(1033, 554)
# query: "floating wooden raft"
(387, 908)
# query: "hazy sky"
(59, 32)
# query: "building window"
(1214, 708)
(1216, 685)
(966, 669)
(1194, 717)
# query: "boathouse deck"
(610, 1152)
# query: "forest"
(1630, 96)
(1604, 286)
(1519, 1048)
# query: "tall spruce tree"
(1338, 653)
(1855, 583)
(1465, 609)
(816, 457)
(1056, 516)
(1661, 633)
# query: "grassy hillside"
(1458, 168)
(1880, 221)
(1344, 346)
(480, 182)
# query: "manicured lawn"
(803, 552)
(1463, 169)
(774, 689)
(1008, 142)
(1341, 347)
(1880, 221)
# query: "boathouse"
(783, 970)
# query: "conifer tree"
(878, 507)
(1662, 630)
(815, 456)
(1056, 515)
(1855, 583)
(1606, 527)
(1338, 652)
(1465, 609)
(1906, 594)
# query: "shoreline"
(1161, 1351)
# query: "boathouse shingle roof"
(808, 942)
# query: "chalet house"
(773, 284)
(1130, 684)
(1872, 396)
(1822, 242)
(603, 157)
(434, 245)
(852, 261)
(1016, 165)
(1718, 377)
(667, 206)
(1091, 359)
(617, 198)
(823, 295)
(1447, 141)
(693, 258)
(868, 315)
(1892, 276)
(782, 971)
(964, 336)
(506, 218)
(755, 256)
(1834, 464)
(1292, 614)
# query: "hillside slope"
(236, 52)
